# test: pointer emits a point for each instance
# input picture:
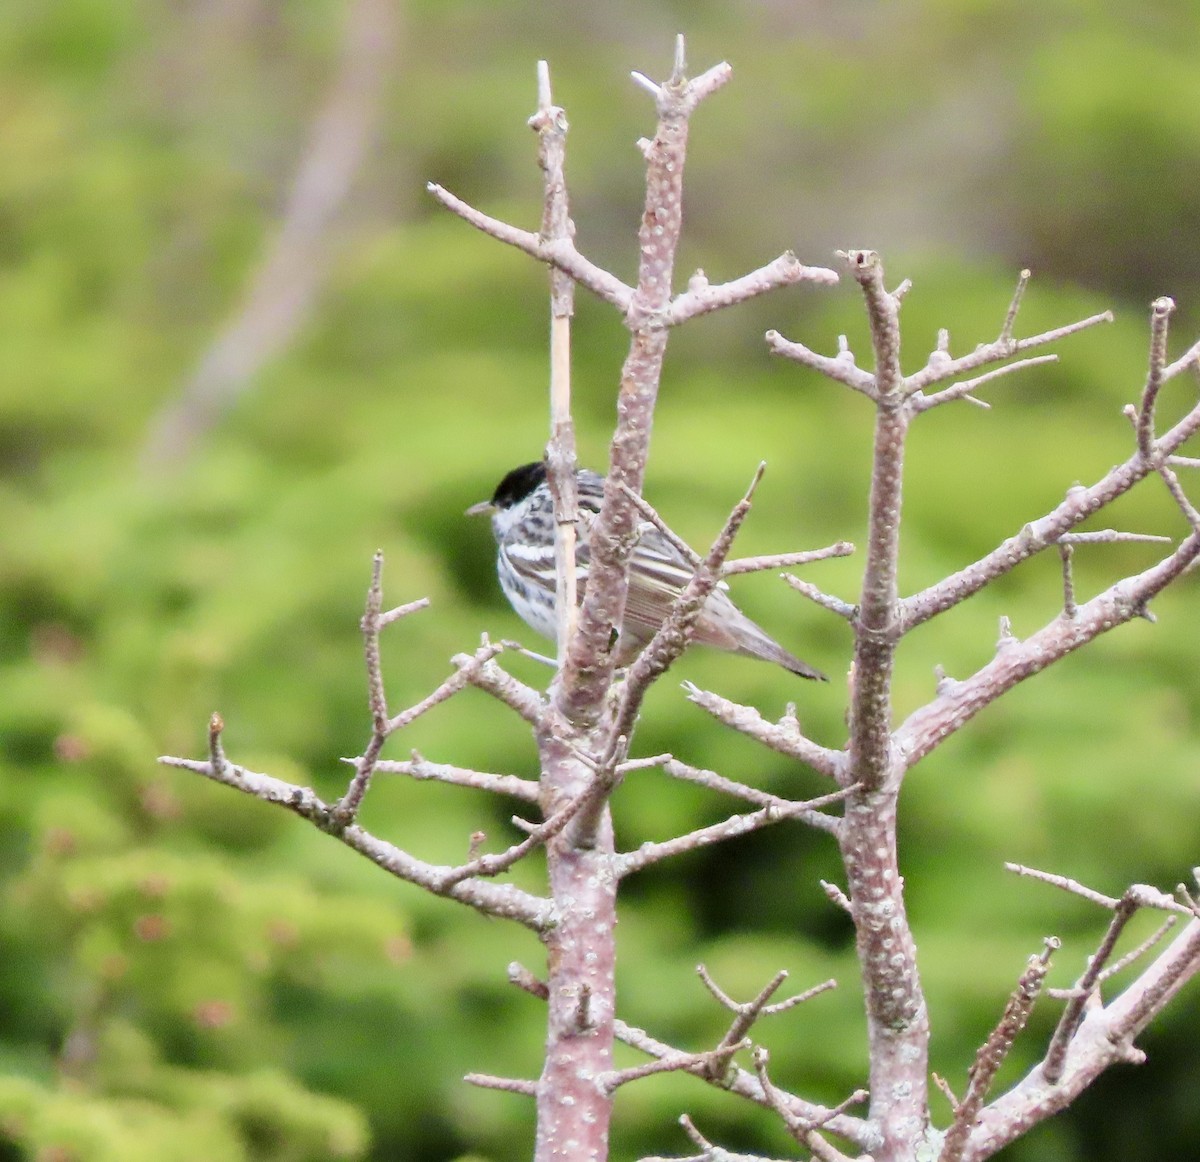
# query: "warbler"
(522, 512)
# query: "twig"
(507, 1084)
(651, 514)
(501, 900)
(922, 403)
(558, 253)
(840, 368)
(784, 737)
(1065, 552)
(373, 621)
(710, 779)
(808, 812)
(672, 637)
(745, 1015)
(943, 369)
(674, 1063)
(1065, 883)
(1135, 954)
(947, 1092)
(785, 560)
(803, 1130)
(843, 609)
(466, 667)
(701, 298)
(1160, 314)
(1010, 319)
(519, 975)
(1072, 1016)
(837, 897)
(550, 123)
(745, 1084)
(1112, 537)
(994, 1050)
(419, 767)
(495, 864)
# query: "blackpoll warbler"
(522, 513)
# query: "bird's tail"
(728, 628)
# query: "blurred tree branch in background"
(287, 280)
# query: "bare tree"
(583, 725)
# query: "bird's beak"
(483, 508)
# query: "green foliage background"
(185, 974)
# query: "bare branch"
(1069, 1022)
(675, 1063)
(784, 736)
(840, 368)
(938, 371)
(785, 560)
(649, 853)
(558, 253)
(550, 124)
(802, 1129)
(922, 403)
(714, 782)
(1105, 1037)
(372, 621)
(843, 609)
(418, 767)
(746, 1085)
(747, 1014)
(701, 297)
(994, 1050)
(949, 712)
(502, 900)
(672, 637)
(488, 676)
(507, 1084)
(1079, 504)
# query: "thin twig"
(672, 637)
(784, 737)
(995, 1049)
(550, 124)
(745, 1084)
(843, 609)
(840, 368)
(745, 1015)
(922, 403)
(700, 298)
(1072, 1016)
(501, 900)
(1065, 552)
(419, 767)
(785, 560)
(808, 812)
(507, 1084)
(675, 1063)
(943, 369)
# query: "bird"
(522, 512)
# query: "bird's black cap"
(518, 484)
